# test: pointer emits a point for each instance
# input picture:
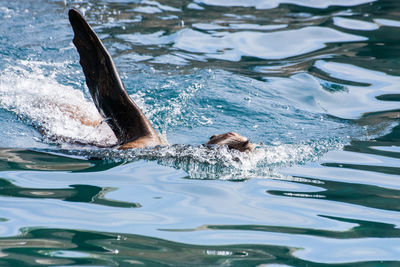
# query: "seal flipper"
(106, 88)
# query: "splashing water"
(42, 101)
(38, 98)
(306, 81)
(216, 162)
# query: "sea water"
(313, 84)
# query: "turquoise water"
(314, 84)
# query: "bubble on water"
(56, 110)
(219, 162)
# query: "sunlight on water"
(268, 4)
(275, 45)
(313, 84)
(57, 111)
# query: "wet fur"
(232, 140)
(129, 124)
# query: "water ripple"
(314, 84)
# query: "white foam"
(216, 162)
(33, 93)
(37, 97)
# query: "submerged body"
(127, 121)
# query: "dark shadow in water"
(20, 159)
(369, 168)
(369, 147)
(78, 193)
(393, 138)
(359, 194)
(389, 97)
(365, 229)
(372, 146)
(38, 247)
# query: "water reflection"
(364, 229)
(21, 159)
(358, 194)
(304, 73)
(38, 247)
(77, 193)
(184, 33)
(64, 246)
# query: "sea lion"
(232, 140)
(129, 124)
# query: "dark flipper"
(107, 90)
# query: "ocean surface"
(314, 84)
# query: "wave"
(33, 92)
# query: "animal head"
(232, 140)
